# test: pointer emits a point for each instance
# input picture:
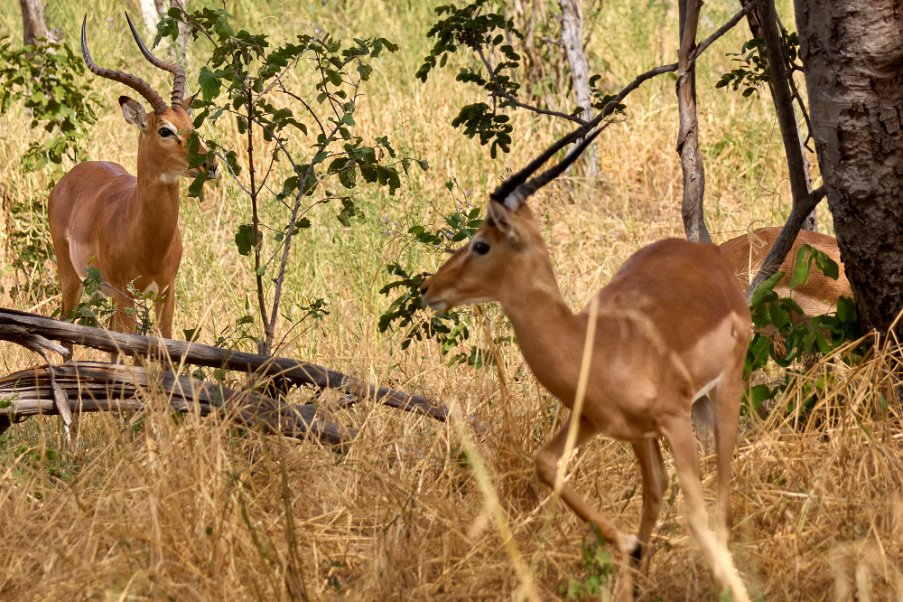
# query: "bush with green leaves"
(785, 339)
(751, 72)
(598, 570)
(49, 82)
(450, 329)
(316, 157)
(495, 69)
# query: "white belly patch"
(708, 387)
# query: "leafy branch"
(309, 136)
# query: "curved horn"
(514, 195)
(135, 83)
(516, 179)
(178, 82)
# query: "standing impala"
(670, 328)
(126, 226)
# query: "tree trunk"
(572, 40)
(34, 29)
(853, 54)
(691, 161)
(779, 84)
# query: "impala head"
(508, 244)
(165, 129)
(501, 249)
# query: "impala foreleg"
(547, 470)
(163, 309)
(683, 447)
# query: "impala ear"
(190, 101)
(498, 216)
(133, 112)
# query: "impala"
(670, 328)
(125, 226)
(819, 294)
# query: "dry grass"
(155, 507)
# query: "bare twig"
(500, 91)
(784, 242)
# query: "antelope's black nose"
(423, 285)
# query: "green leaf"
(348, 177)
(245, 239)
(801, 266)
(827, 265)
(209, 82)
(846, 310)
(766, 287)
(196, 188)
(758, 395)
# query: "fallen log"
(101, 386)
(14, 325)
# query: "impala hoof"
(636, 555)
(630, 546)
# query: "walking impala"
(126, 226)
(670, 328)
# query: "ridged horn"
(135, 83)
(516, 189)
(178, 82)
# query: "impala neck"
(155, 211)
(549, 334)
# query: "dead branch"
(176, 352)
(101, 386)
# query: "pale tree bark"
(853, 55)
(34, 28)
(572, 40)
(691, 162)
(153, 10)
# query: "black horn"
(516, 189)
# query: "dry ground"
(158, 508)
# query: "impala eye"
(165, 132)
(480, 248)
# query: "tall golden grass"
(154, 507)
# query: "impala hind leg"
(655, 483)
(683, 447)
(726, 406)
(547, 469)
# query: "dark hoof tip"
(637, 553)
